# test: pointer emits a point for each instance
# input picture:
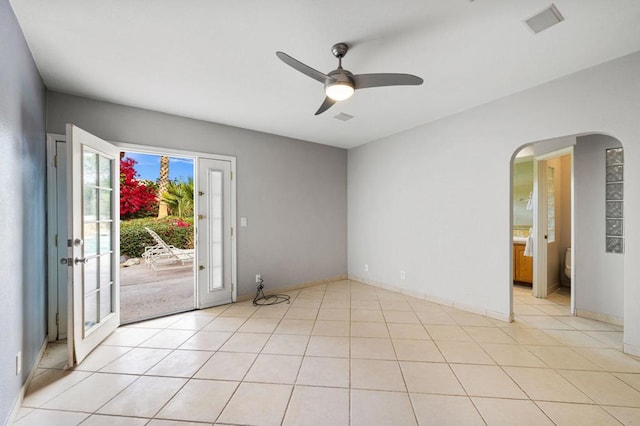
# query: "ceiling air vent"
(545, 19)
(343, 117)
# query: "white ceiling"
(215, 60)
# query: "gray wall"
(294, 193)
(22, 209)
(599, 275)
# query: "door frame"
(52, 218)
(540, 220)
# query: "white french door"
(93, 186)
(215, 237)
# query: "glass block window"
(614, 225)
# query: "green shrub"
(174, 231)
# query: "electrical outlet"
(366, 267)
(403, 275)
(18, 363)
(258, 278)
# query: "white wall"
(435, 200)
(599, 275)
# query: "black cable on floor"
(262, 300)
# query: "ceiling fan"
(340, 84)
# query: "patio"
(147, 294)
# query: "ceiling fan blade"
(303, 68)
(362, 81)
(328, 103)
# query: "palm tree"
(163, 183)
(179, 198)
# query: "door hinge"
(56, 240)
(231, 173)
(57, 318)
(232, 231)
(55, 161)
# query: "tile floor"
(347, 353)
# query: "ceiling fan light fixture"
(339, 90)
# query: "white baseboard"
(631, 349)
(16, 408)
(500, 316)
(600, 317)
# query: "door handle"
(80, 260)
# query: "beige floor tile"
(612, 339)
(104, 420)
(436, 318)
(429, 377)
(169, 339)
(469, 319)
(586, 324)
(286, 344)
(445, 410)
(404, 317)
(380, 408)
(335, 303)
(562, 357)
(610, 359)
(329, 346)
(464, 353)
(408, 331)
(450, 333)
(367, 315)
(376, 375)
(487, 380)
(546, 385)
(259, 325)
(199, 401)
(369, 329)
(316, 406)
(603, 388)
(191, 322)
(51, 418)
(226, 366)
(180, 363)
(54, 356)
(302, 313)
(239, 311)
(224, 324)
(632, 380)
(272, 312)
(520, 309)
(371, 302)
(372, 348)
(530, 336)
(488, 335)
(544, 322)
(101, 356)
(508, 412)
(274, 369)
(91, 393)
(206, 340)
(257, 404)
(295, 326)
(332, 328)
(129, 336)
(575, 338)
(417, 350)
(136, 361)
(144, 397)
(245, 342)
(317, 371)
(627, 415)
(555, 310)
(512, 355)
(162, 422)
(334, 314)
(306, 303)
(564, 414)
(50, 384)
(392, 304)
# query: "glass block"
(614, 209)
(90, 275)
(615, 245)
(615, 156)
(105, 237)
(105, 204)
(615, 173)
(614, 191)
(90, 311)
(90, 203)
(105, 172)
(90, 236)
(614, 227)
(90, 168)
(106, 302)
(105, 269)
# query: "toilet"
(567, 263)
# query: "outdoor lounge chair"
(165, 256)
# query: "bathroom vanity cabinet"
(522, 265)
